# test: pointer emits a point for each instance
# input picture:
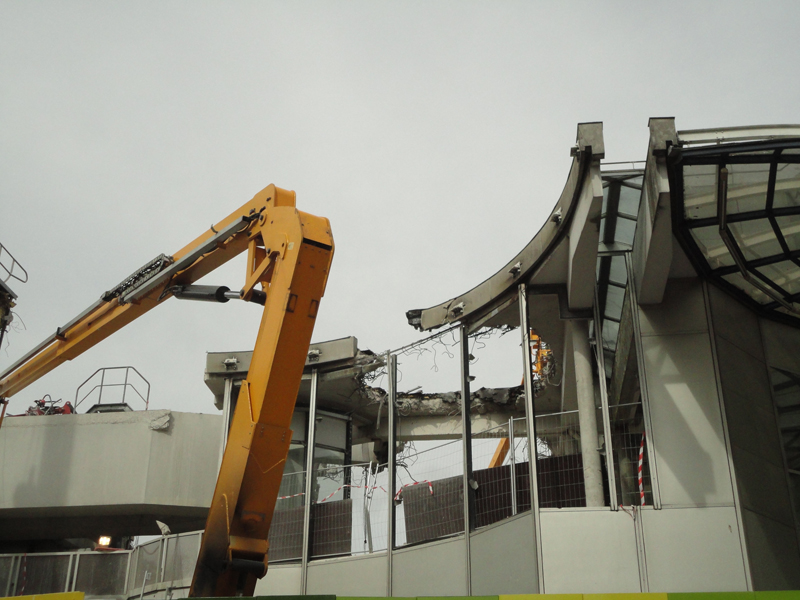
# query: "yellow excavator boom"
(289, 255)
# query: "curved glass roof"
(736, 211)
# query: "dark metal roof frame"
(721, 155)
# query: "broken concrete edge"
(157, 420)
(482, 401)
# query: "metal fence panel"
(148, 560)
(101, 574)
(181, 557)
(43, 574)
(6, 562)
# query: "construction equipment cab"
(288, 258)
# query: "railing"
(125, 384)
(5, 258)
(95, 573)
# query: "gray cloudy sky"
(433, 135)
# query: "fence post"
(530, 413)
(311, 430)
(466, 438)
(391, 402)
(608, 445)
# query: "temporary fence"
(630, 455)
(95, 573)
(559, 461)
(500, 472)
(430, 491)
(348, 515)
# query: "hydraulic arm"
(289, 254)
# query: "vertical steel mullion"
(162, 563)
(125, 385)
(72, 572)
(513, 466)
(14, 577)
(128, 573)
(311, 431)
(648, 425)
(102, 383)
(391, 365)
(601, 372)
(530, 422)
(466, 443)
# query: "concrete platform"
(106, 474)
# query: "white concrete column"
(587, 412)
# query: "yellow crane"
(288, 255)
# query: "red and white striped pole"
(641, 462)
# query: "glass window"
(700, 191)
(329, 473)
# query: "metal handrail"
(103, 384)
(14, 263)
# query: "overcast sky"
(434, 135)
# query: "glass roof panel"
(610, 334)
(755, 238)
(614, 298)
(790, 228)
(712, 246)
(700, 191)
(626, 229)
(787, 185)
(747, 187)
(786, 274)
(629, 201)
(619, 272)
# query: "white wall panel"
(356, 576)
(504, 558)
(693, 550)
(436, 569)
(592, 551)
(682, 311)
(687, 425)
(281, 580)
